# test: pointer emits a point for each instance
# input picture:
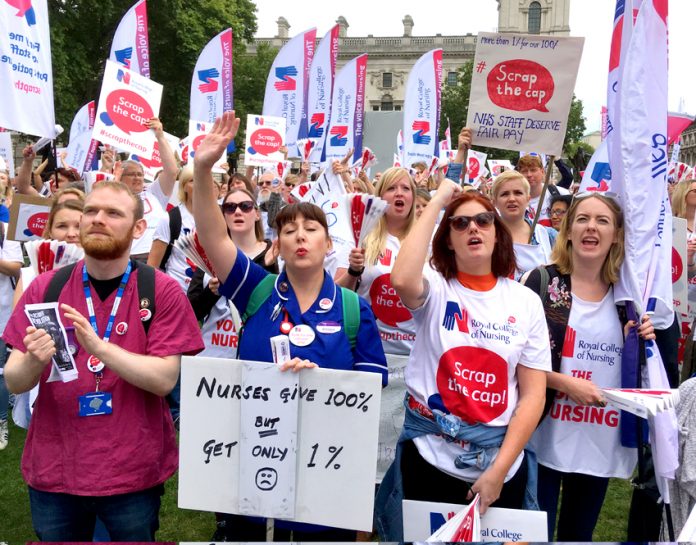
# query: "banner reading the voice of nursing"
(211, 85)
(81, 147)
(422, 109)
(131, 45)
(26, 76)
(286, 87)
(127, 101)
(347, 111)
(521, 90)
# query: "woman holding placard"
(325, 326)
(578, 443)
(477, 372)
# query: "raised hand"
(214, 144)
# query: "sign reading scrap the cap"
(126, 103)
(521, 90)
(28, 217)
(264, 137)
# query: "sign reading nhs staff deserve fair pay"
(126, 103)
(521, 90)
(245, 428)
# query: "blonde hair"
(185, 174)
(562, 254)
(376, 241)
(679, 198)
(508, 176)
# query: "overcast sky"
(591, 19)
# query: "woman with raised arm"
(302, 302)
(476, 376)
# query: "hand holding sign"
(215, 143)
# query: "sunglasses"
(461, 223)
(244, 206)
(557, 212)
(287, 184)
(266, 183)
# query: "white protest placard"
(680, 298)
(521, 89)
(498, 166)
(268, 425)
(422, 519)
(197, 132)
(127, 101)
(337, 430)
(264, 136)
(153, 165)
(28, 217)
(6, 152)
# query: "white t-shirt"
(155, 205)
(468, 345)
(530, 256)
(11, 250)
(545, 218)
(584, 439)
(177, 266)
(219, 332)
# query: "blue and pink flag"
(422, 109)
(81, 148)
(321, 80)
(287, 86)
(131, 45)
(211, 84)
(347, 111)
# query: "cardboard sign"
(680, 280)
(265, 135)
(422, 519)
(28, 217)
(127, 101)
(337, 429)
(521, 90)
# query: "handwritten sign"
(422, 519)
(337, 430)
(28, 217)
(265, 135)
(521, 90)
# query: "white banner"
(211, 86)
(132, 37)
(337, 429)
(422, 519)
(347, 111)
(127, 101)
(475, 165)
(26, 74)
(287, 83)
(81, 148)
(422, 109)
(679, 268)
(265, 135)
(319, 93)
(7, 153)
(521, 90)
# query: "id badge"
(95, 404)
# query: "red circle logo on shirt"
(386, 303)
(473, 383)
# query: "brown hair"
(258, 224)
(529, 161)
(307, 210)
(57, 207)
(443, 259)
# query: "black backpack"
(174, 232)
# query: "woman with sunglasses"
(578, 442)
(511, 196)
(476, 376)
(304, 303)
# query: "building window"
(452, 79)
(397, 108)
(375, 108)
(534, 21)
(387, 80)
(387, 105)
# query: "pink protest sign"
(521, 90)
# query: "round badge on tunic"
(301, 335)
(145, 314)
(144, 302)
(283, 286)
(94, 364)
(121, 328)
(285, 327)
(72, 349)
(325, 303)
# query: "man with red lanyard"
(102, 444)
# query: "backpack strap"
(351, 315)
(55, 285)
(174, 232)
(146, 291)
(258, 296)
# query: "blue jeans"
(583, 496)
(65, 517)
(4, 394)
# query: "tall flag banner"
(597, 175)
(287, 85)
(646, 276)
(211, 84)
(347, 111)
(319, 93)
(131, 45)
(521, 90)
(399, 148)
(81, 148)
(422, 109)
(26, 74)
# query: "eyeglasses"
(558, 212)
(244, 206)
(288, 184)
(136, 174)
(483, 220)
(266, 183)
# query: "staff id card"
(95, 404)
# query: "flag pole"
(542, 196)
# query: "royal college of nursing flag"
(26, 74)
(81, 148)
(319, 93)
(286, 86)
(131, 46)
(211, 84)
(422, 109)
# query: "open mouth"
(590, 241)
(399, 204)
(474, 241)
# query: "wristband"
(354, 273)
